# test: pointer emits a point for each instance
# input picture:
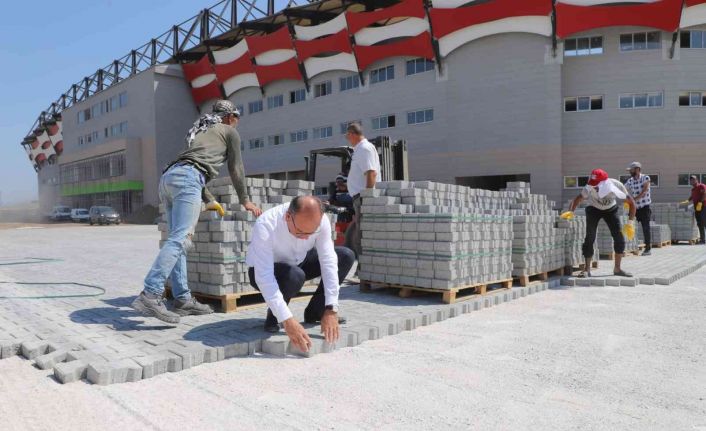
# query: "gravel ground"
(605, 358)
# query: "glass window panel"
(596, 103)
(597, 45)
(684, 99)
(626, 42)
(391, 121)
(429, 115)
(411, 118)
(411, 68)
(695, 98)
(390, 72)
(685, 39)
(626, 101)
(570, 104)
(641, 100)
(583, 46)
(570, 47)
(584, 103)
(653, 40)
(696, 39)
(683, 180)
(570, 182)
(582, 181)
(123, 99)
(420, 116)
(639, 41)
(655, 100)
(654, 180)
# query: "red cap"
(597, 176)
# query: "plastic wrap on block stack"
(680, 219)
(434, 235)
(538, 245)
(216, 261)
(660, 233)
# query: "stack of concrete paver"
(604, 239)
(434, 235)
(661, 233)
(537, 246)
(680, 219)
(575, 234)
(216, 262)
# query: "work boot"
(153, 305)
(191, 307)
(647, 252)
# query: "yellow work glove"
(699, 206)
(215, 206)
(629, 230)
(626, 206)
(568, 215)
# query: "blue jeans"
(180, 192)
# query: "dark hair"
(694, 177)
(296, 204)
(355, 128)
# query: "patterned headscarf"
(201, 125)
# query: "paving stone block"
(276, 345)
(106, 373)
(49, 360)
(647, 280)
(10, 348)
(35, 348)
(153, 365)
(236, 350)
(628, 282)
(612, 282)
(598, 282)
(190, 356)
(67, 372)
(583, 282)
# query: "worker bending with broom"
(602, 193)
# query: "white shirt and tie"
(273, 243)
(365, 158)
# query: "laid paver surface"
(55, 310)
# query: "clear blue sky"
(42, 57)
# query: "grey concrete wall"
(667, 140)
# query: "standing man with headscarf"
(601, 193)
(698, 198)
(211, 142)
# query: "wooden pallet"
(540, 276)
(661, 244)
(449, 296)
(232, 302)
(689, 242)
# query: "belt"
(187, 163)
(356, 196)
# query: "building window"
(640, 41)
(683, 180)
(297, 96)
(323, 132)
(275, 140)
(692, 98)
(322, 89)
(84, 115)
(582, 46)
(345, 124)
(123, 99)
(692, 39)
(96, 110)
(640, 100)
(419, 65)
(119, 129)
(80, 140)
(275, 101)
(575, 182)
(654, 179)
(255, 106)
(383, 74)
(383, 122)
(349, 82)
(97, 168)
(256, 143)
(421, 116)
(299, 136)
(583, 103)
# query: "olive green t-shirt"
(210, 149)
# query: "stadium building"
(484, 92)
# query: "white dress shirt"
(272, 242)
(365, 158)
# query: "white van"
(79, 215)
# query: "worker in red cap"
(602, 193)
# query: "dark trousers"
(700, 217)
(643, 215)
(593, 216)
(291, 279)
(353, 234)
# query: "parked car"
(79, 215)
(103, 215)
(59, 213)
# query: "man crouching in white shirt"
(292, 243)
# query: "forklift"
(393, 166)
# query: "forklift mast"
(392, 154)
